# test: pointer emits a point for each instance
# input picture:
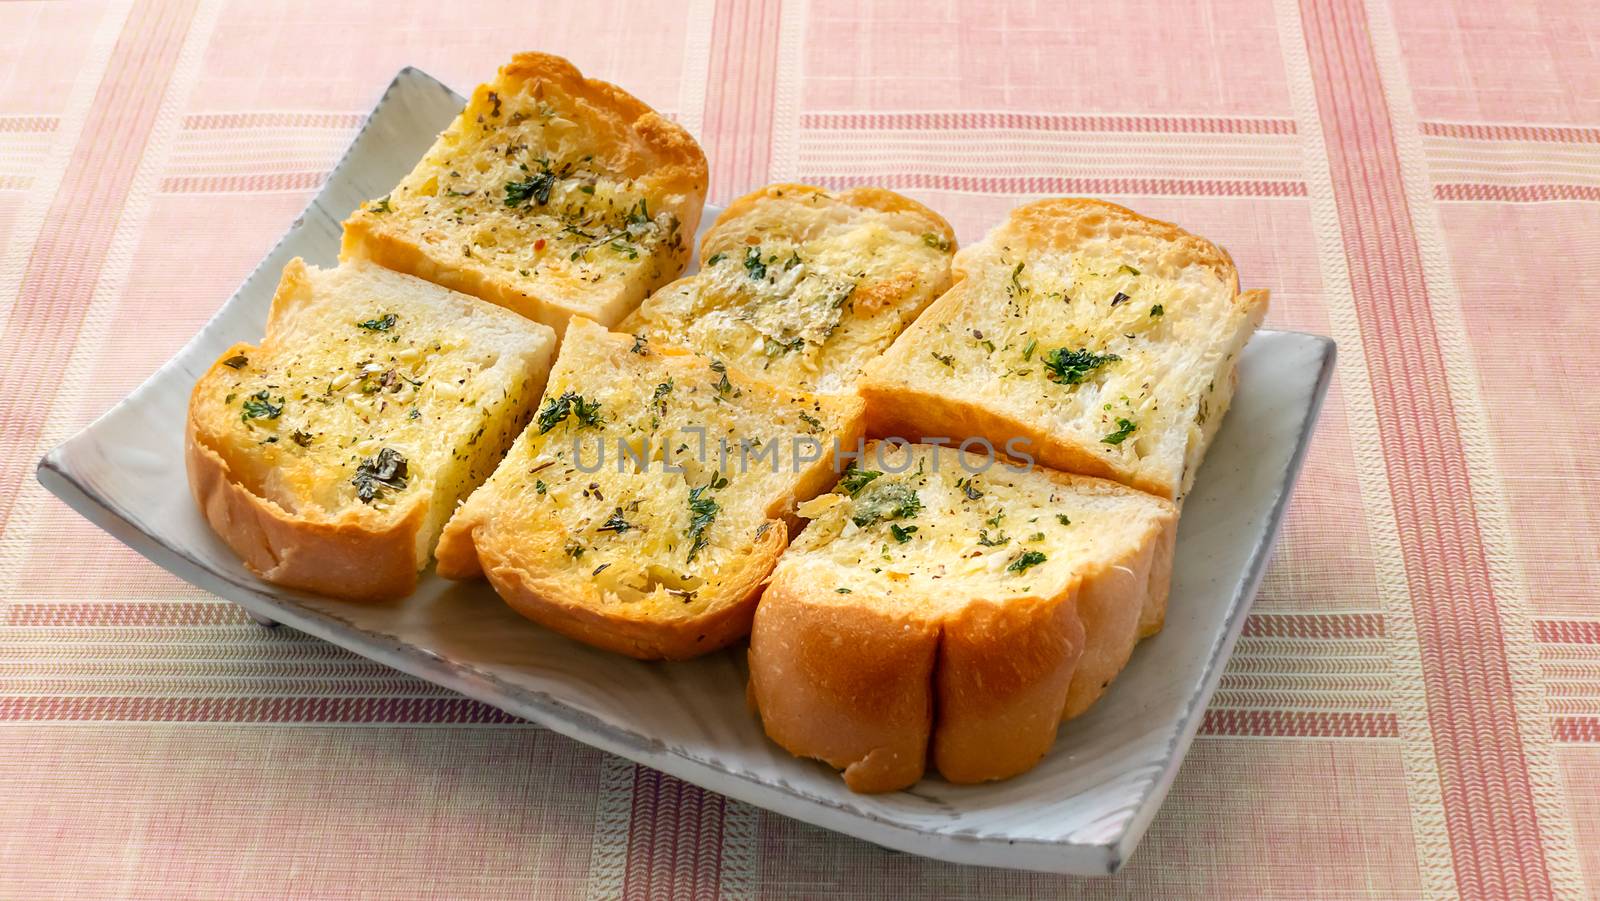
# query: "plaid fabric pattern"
(1414, 708)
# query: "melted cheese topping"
(516, 184)
(802, 291)
(359, 375)
(921, 521)
(655, 475)
(1120, 356)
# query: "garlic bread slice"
(1080, 334)
(649, 498)
(802, 286)
(330, 456)
(551, 194)
(950, 607)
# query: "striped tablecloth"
(1414, 709)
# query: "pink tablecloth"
(1415, 706)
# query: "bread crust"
(540, 598)
(344, 557)
(848, 684)
(676, 164)
(901, 407)
(878, 689)
(730, 229)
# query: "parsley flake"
(386, 471)
(1125, 427)
(1071, 367)
(570, 403)
(1027, 559)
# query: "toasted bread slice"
(1079, 334)
(551, 194)
(802, 287)
(330, 456)
(949, 607)
(650, 497)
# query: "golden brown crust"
(1154, 614)
(847, 684)
(1111, 602)
(343, 558)
(1002, 682)
(902, 409)
(541, 598)
(874, 689)
(728, 228)
(1062, 223)
(631, 138)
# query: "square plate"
(1082, 810)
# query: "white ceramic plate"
(1080, 811)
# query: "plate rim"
(281, 605)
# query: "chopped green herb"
(569, 403)
(856, 479)
(539, 487)
(639, 342)
(886, 500)
(1027, 559)
(714, 259)
(301, 438)
(587, 189)
(946, 359)
(902, 534)
(639, 215)
(1063, 519)
(1119, 299)
(1027, 351)
(574, 550)
(616, 523)
(1128, 269)
(535, 187)
(969, 489)
(260, 406)
(1125, 427)
(1036, 536)
(1016, 284)
(1071, 367)
(237, 361)
(996, 541)
(723, 386)
(773, 348)
(842, 590)
(381, 206)
(753, 266)
(937, 242)
(414, 414)
(702, 513)
(386, 471)
(379, 325)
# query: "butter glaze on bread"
(620, 551)
(330, 456)
(930, 614)
(551, 194)
(802, 286)
(1104, 342)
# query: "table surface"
(1414, 709)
